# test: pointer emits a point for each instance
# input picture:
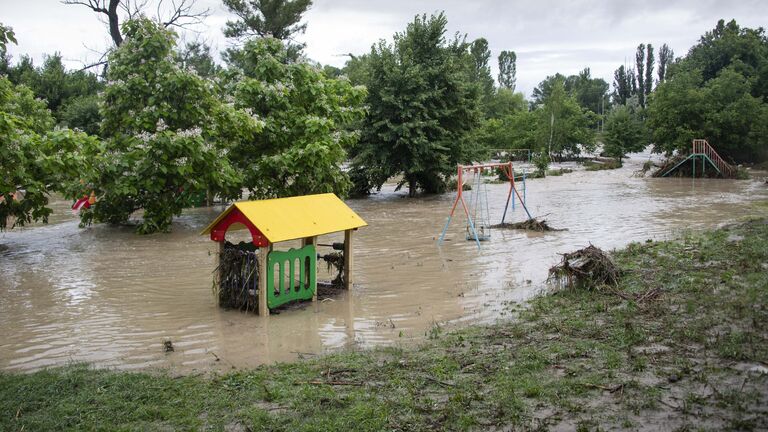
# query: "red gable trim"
(235, 216)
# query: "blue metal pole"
(445, 228)
(525, 190)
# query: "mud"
(110, 297)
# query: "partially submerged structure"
(255, 275)
(477, 212)
(700, 151)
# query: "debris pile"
(588, 268)
(335, 260)
(239, 282)
(532, 224)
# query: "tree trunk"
(411, 188)
(114, 24)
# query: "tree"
(82, 113)
(507, 69)
(544, 89)
(564, 126)
(517, 130)
(6, 36)
(166, 135)
(422, 108)
(718, 92)
(306, 117)
(649, 64)
(504, 102)
(357, 69)
(729, 44)
(721, 110)
(622, 85)
(589, 92)
(53, 82)
(279, 19)
(481, 72)
(197, 56)
(666, 55)
(32, 156)
(640, 66)
(624, 133)
(180, 14)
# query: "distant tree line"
(165, 127)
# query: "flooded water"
(107, 296)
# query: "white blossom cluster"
(161, 126)
(190, 133)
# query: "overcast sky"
(549, 36)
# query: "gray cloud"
(549, 35)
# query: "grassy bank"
(679, 344)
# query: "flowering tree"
(33, 158)
(166, 135)
(306, 119)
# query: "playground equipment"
(478, 225)
(702, 149)
(255, 273)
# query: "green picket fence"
(291, 275)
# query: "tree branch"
(183, 14)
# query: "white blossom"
(161, 126)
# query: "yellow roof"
(298, 217)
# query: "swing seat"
(483, 234)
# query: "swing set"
(477, 212)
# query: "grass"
(572, 359)
(604, 164)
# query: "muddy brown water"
(107, 296)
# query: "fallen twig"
(447, 384)
(613, 389)
(318, 382)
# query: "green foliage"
(544, 89)
(22, 119)
(34, 159)
(268, 18)
(624, 133)
(332, 71)
(422, 106)
(541, 161)
(6, 36)
(640, 67)
(197, 56)
(305, 117)
(59, 88)
(481, 72)
(504, 102)
(507, 70)
(357, 69)
(623, 85)
(83, 113)
(564, 126)
(167, 136)
(590, 93)
(666, 56)
(649, 65)
(716, 92)
(518, 130)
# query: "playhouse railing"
(702, 147)
(291, 275)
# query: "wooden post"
(306, 242)
(263, 252)
(348, 262)
(217, 281)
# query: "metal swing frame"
(509, 172)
